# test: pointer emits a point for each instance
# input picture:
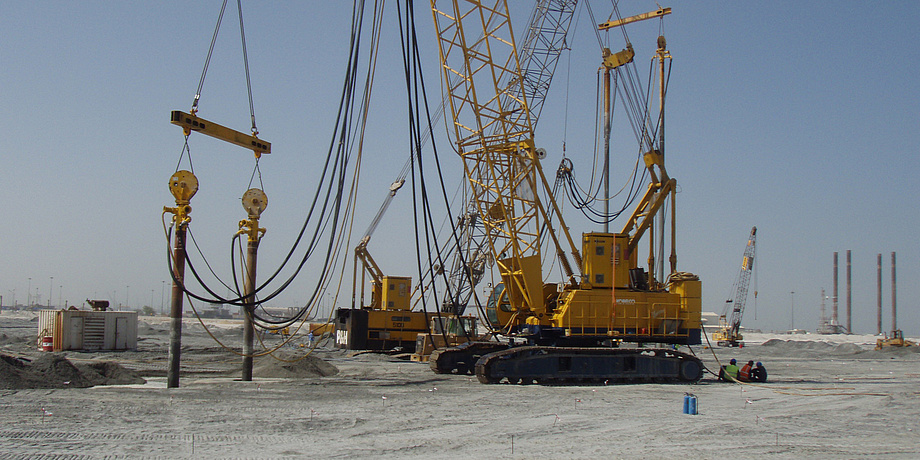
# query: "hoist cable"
(253, 175)
(252, 113)
(207, 60)
(185, 148)
(432, 245)
(345, 98)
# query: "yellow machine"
(388, 322)
(446, 331)
(896, 340)
(572, 326)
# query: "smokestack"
(894, 296)
(879, 313)
(834, 311)
(823, 315)
(849, 296)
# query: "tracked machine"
(592, 324)
(729, 333)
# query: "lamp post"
(50, 291)
(162, 290)
(127, 293)
(792, 310)
(29, 295)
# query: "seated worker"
(729, 373)
(744, 374)
(758, 373)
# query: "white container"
(89, 330)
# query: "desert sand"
(827, 396)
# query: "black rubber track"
(566, 365)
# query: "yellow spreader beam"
(639, 17)
(190, 123)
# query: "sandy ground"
(828, 396)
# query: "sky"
(800, 118)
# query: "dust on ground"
(828, 397)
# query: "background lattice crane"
(729, 333)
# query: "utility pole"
(879, 290)
(254, 202)
(894, 296)
(792, 312)
(834, 317)
(849, 295)
(183, 185)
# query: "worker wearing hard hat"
(759, 373)
(729, 373)
(744, 374)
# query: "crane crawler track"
(566, 365)
(462, 358)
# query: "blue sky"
(798, 117)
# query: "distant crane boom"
(730, 321)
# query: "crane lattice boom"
(734, 308)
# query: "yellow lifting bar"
(639, 17)
(190, 123)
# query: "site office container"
(89, 330)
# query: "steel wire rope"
(252, 113)
(255, 170)
(351, 200)
(207, 60)
(185, 148)
(583, 201)
(420, 85)
(597, 32)
(343, 141)
(345, 97)
(597, 134)
(412, 71)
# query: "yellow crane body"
(572, 328)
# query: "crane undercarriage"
(496, 363)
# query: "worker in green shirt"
(729, 373)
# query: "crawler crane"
(571, 326)
(388, 322)
(729, 333)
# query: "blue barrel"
(692, 405)
(687, 404)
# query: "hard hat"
(732, 361)
(759, 364)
